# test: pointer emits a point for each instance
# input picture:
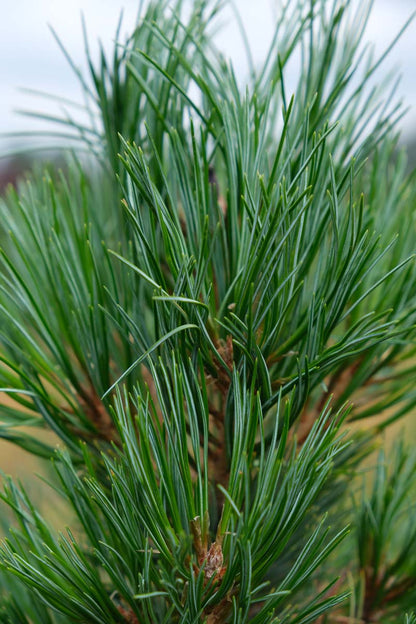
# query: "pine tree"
(213, 306)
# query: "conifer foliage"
(203, 306)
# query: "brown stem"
(212, 561)
(129, 616)
(374, 586)
(337, 385)
(97, 413)
(217, 456)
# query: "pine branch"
(197, 310)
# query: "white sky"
(30, 57)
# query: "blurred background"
(30, 57)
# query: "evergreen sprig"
(198, 309)
(386, 518)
